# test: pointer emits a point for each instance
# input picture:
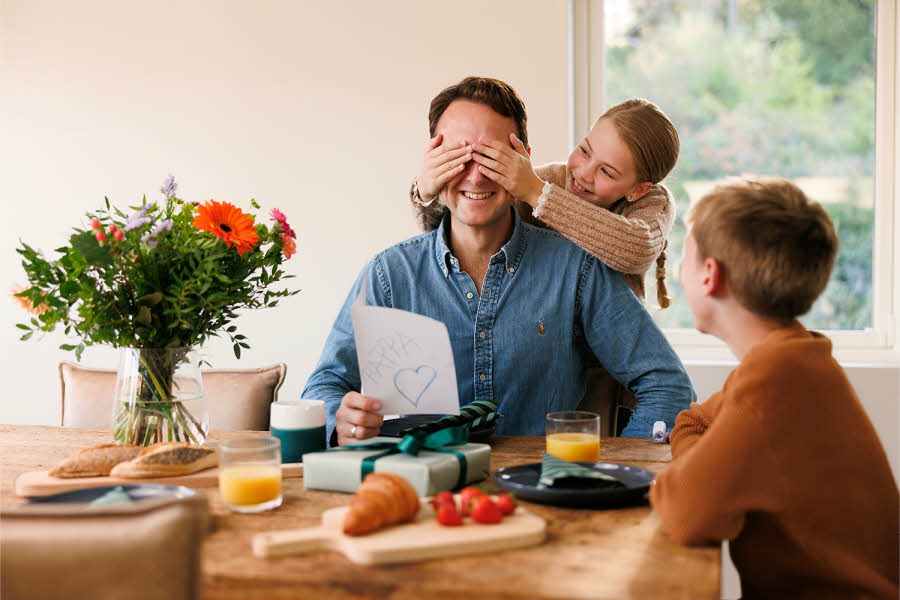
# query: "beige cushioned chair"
(237, 398)
(144, 551)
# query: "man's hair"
(496, 94)
(650, 136)
(777, 247)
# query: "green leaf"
(237, 351)
(143, 317)
(151, 299)
(254, 203)
(68, 347)
(69, 288)
(88, 246)
(27, 336)
(22, 326)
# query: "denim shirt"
(524, 342)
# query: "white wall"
(317, 108)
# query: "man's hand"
(510, 167)
(355, 419)
(440, 166)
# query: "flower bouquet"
(157, 281)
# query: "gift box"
(428, 470)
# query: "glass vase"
(159, 397)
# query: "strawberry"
(506, 503)
(448, 516)
(485, 510)
(442, 498)
(467, 495)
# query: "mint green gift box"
(429, 472)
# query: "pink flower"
(282, 221)
(288, 246)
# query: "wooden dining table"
(587, 553)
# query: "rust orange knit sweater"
(784, 462)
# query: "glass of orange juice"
(574, 436)
(250, 474)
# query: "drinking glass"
(574, 436)
(250, 474)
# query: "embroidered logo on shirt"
(541, 326)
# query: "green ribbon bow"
(450, 430)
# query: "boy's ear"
(713, 282)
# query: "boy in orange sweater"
(783, 460)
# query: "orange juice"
(574, 447)
(247, 485)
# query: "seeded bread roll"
(96, 461)
(167, 459)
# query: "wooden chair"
(238, 399)
(608, 398)
(150, 550)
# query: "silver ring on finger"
(353, 431)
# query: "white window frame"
(875, 345)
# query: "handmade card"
(405, 360)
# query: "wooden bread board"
(423, 539)
(39, 483)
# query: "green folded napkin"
(554, 470)
(117, 495)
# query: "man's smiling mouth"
(474, 196)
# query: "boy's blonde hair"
(776, 246)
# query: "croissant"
(382, 499)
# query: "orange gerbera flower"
(228, 222)
(26, 303)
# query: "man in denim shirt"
(524, 306)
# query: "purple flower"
(149, 238)
(169, 186)
(137, 219)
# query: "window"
(774, 87)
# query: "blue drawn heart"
(413, 383)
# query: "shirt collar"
(511, 251)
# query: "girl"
(607, 197)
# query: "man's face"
(472, 198)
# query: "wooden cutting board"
(421, 540)
(39, 483)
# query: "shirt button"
(481, 335)
(512, 269)
(470, 295)
(482, 377)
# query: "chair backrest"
(238, 399)
(602, 396)
(143, 551)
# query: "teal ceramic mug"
(300, 425)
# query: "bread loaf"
(95, 461)
(167, 459)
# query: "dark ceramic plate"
(522, 480)
(147, 491)
(395, 427)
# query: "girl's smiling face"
(601, 168)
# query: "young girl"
(607, 198)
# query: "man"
(524, 306)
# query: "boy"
(782, 461)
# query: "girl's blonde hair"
(653, 141)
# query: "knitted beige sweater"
(628, 236)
